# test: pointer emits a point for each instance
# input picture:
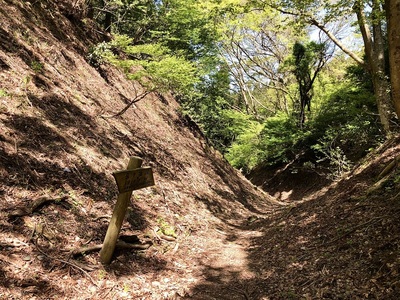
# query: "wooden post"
(117, 218)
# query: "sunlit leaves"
(167, 71)
(255, 43)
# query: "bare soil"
(214, 235)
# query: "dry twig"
(72, 264)
(133, 101)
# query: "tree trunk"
(375, 52)
(393, 17)
(383, 99)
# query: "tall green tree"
(308, 61)
(371, 24)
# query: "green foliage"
(232, 69)
(149, 61)
(245, 152)
(211, 114)
(280, 137)
(180, 25)
(271, 142)
(338, 161)
(360, 76)
(186, 26)
(166, 45)
(343, 129)
(307, 62)
(305, 56)
(96, 55)
(135, 18)
(212, 108)
(352, 111)
(346, 128)
(3, 93)
(37, 66)
(172, 73)
(166, 228)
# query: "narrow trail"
(232, 240)
(227, 267)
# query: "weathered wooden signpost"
(133, 178)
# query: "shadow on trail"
(27, 287)
(35, 164)
(291, 182)
(342, 245)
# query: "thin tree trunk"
(393, 17)
(381, 80)
(374, 50)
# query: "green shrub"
(245, 152)
(280, 138)
(271, 142)
(345, 129)
(166, 71)
(37, 66)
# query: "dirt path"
(226, 267)
(54, 143)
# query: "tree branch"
(121, 112)
(338, 43)
(308, 18)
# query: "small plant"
(126, 288)
(37, 66)
(74, 198)
(26, 80)
(3, 93)
(97, 54)
(309, 165)
(165, 228)
(102, 274)
(168, 71)
(339, 164)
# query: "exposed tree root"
(80, 267)
(377, 185)
(120, 245)
(35, 205)
(384, 175)
(389, 167)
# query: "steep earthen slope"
(56, 145)
(227, 239)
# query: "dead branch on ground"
(67, 262)
(36, 204)
(389, 167)
(133, 101)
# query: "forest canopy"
(267, 81)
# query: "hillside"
(55, 144)
(213, 234)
